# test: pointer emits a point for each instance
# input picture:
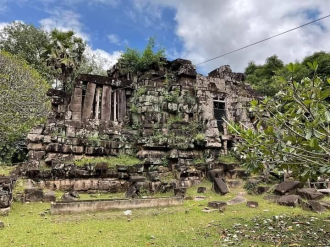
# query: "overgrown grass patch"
(110, 161)
(6, 169)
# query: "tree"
(323, 60)
(27, 41)
(64, 54)
(261, 76)
(292, 129)
(133, 60)
(23, 101)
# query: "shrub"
(23, 102)
(200, 139)
(133, 60)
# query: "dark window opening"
(219, 113)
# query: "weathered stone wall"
(164, 116)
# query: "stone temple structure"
(171, 118)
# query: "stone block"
(33, 195)
(35, 137)
(217, 204)
(36, 146)
(287, 187)
(219, 186)
(49, 196)
(289, 200)
(77, 149)
(252, 204)
(180, 191)
(309, 194)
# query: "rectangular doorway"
(219, 107)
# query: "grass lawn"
(185, 225)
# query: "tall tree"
(65, 54)
(261, 76)
(23, 101)
(27, 42)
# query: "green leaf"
(308, 134)
(327, 116)
(313, 143)
(310, 65)
(254, 102)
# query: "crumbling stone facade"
(169, 117)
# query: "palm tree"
(64, 53)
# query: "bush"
(133, 60)
(23, 102)
(200, 139)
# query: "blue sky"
(191, 29)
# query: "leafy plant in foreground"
(292, 129)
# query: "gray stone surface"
(289, 200)
(309, 194)
(219, 186)
(287, 187)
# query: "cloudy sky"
(191, 29)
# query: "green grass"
(228, 159)
(111, 161)
(184, 225)
(5, 169)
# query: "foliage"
(64, 53)
(6, 169)
(133, 60)
(23, 101)
(292, 129)
(175, 119)
(200, 161)
(111, 161)
(26, 41)
(93, 140)
(264, 78)
(260, 76)
(172, 96)
(200, 139)
(228, 159)
(141, 91)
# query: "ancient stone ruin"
(171, 118)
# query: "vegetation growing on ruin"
(110, 161)
(228, 159)
(292, 129)
(133, 60)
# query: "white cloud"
(64, 20)
(213, 27)
(101, 58)
(114, 39)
